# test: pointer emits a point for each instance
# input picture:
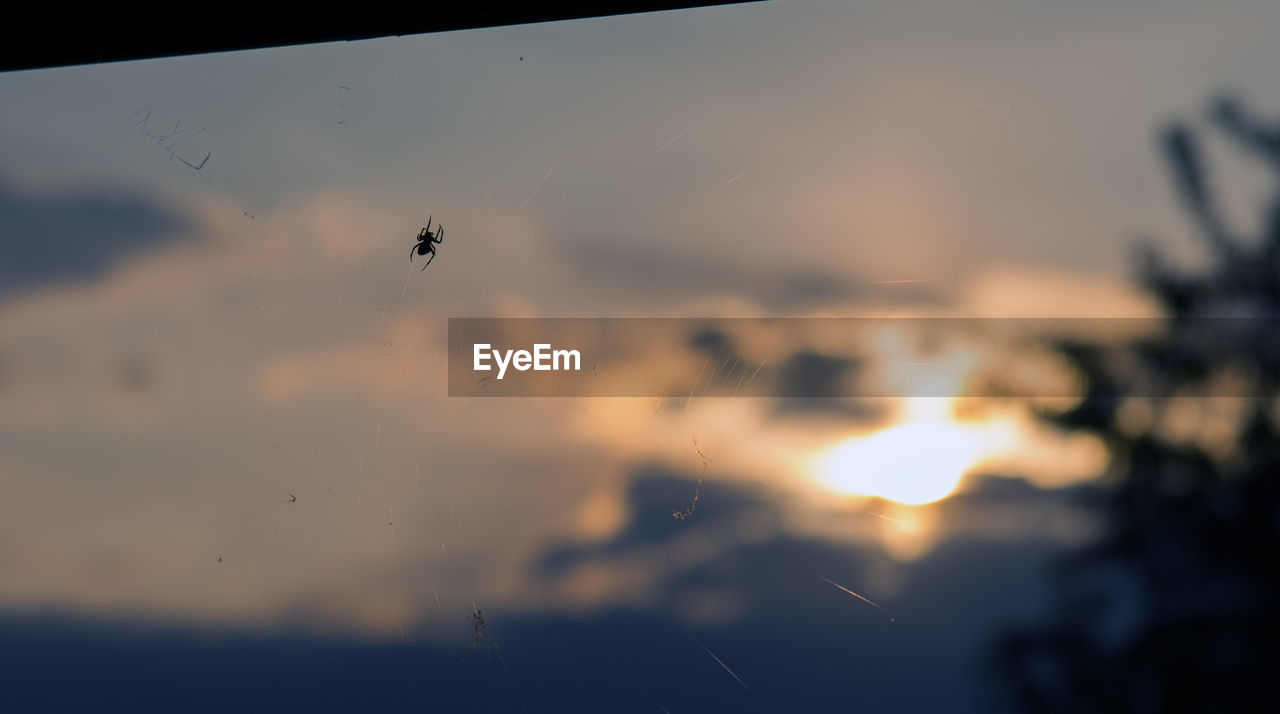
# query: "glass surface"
(231, 475)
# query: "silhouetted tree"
(1174, 606)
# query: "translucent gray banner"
(864, 357)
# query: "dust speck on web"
(342, 92)
(735, 178)
(539, 184)
(391, 523)
(886, 518)
(722, 664)
(697, 490)
(997, 107)
(673, 140)
(747, 380)
(860, 597)
(694, 387)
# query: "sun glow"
(917, 461)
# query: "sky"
(223, 405)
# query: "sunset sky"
(222, 392)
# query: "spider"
(427, 242)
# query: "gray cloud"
(78, 235)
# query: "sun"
(918, 461)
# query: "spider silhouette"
(427, 242)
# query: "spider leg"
(439, 234)
(428, 228)
(412, 250)
(433, 257)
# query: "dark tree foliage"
(1174, 606)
